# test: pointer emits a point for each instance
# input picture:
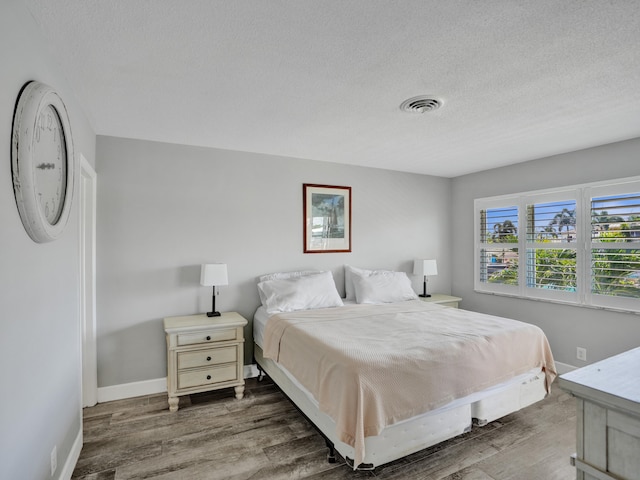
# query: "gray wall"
(164, 209)
(603, 333)
(40, 341)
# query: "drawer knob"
(208, 337)
(208, 359)
(208, 377)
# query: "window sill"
(559, 302)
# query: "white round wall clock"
(42, 162)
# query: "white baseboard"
(72, 460)
(563, 368)
(149, 387)
(251, 371)
(134, 389)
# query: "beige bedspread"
(369, 366)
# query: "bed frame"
(415, 434)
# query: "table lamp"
(212, 275)
(424, 268)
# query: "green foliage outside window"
(615, 271)
(555, 269)
(507, 276)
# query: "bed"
(382, 380)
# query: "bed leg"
(367, 467)
(260, 372)
(331, 455)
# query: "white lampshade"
(213, 274)
(425, 267)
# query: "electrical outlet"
(54, 460)
(581, 353)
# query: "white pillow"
(282, 275)
(349, 272)
(383, 287)
(300, 293)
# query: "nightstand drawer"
(210, 356)
(207, 337)
(208, 376)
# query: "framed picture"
(327, 218)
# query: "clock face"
(42, 162)
(50, 164)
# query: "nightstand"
(440, 299)
(204, 353)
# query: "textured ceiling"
(324, 80)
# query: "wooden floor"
(262, 436)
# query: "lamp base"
(424, 293)
(213, 312)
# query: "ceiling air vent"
(421, 104)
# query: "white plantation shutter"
(497, 250)
(614, 255)
(552, 245)
(578, 245)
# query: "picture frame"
(326, 218)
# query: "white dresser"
(608, 417)
(204, 353)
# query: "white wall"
(39, 342)
(164, 209)
(602, 333)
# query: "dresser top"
(199, 321)
(615, 380)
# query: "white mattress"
(260, 320)
(412, 434)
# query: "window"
(552, 245)
(576, 245)
(499, 251)
(615, 247)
